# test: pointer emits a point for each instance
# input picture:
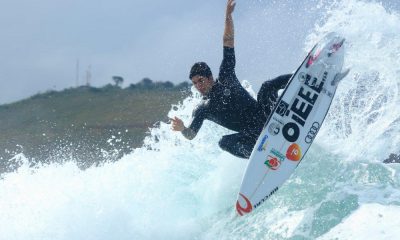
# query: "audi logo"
(312, 133)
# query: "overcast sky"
(41, 41)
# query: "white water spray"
(178, 189)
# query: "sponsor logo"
(227, 92)
(335, 47)
(312, 133)
(312, 58)
(266, 197)
(273, 162)
(243, 210)
(263, 144)
(302, 77)
(278, 154)
(277, 120)
(274, 159)
(302, 106)
(274, 129)
(294, 152)
(282, 108)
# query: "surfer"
(227, 103)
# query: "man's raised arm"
(228, 32)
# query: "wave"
(181, 189)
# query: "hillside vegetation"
(85, 124)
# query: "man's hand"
(228, 38)
(230, 7)
(177, 124)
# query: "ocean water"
(172, 188)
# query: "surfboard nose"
(335, 46)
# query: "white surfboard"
(294, 123)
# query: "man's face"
(203, 84)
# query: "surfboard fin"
(340, 76)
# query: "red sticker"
(243, 210)
(294, 152)
(312, 59)
(273, 162)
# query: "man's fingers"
(175, 122)
(173, 119)
(231, 6)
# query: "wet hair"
(201, 69)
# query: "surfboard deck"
(294, 123)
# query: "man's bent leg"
(268, 94)
(237, 144)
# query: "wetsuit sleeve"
(227, 74)
(198, 117)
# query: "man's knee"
(276, 83)
(266, 85)
(268, 94)
(284, 78)
(224, 143)
(265, 91)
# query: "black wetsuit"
(230, 105)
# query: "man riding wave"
(227, 103)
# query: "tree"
(183, 85)
(168, 85)
(164, 85)
(132, 86)
(118, 80)
(146, 83)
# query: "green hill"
(85, 124)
